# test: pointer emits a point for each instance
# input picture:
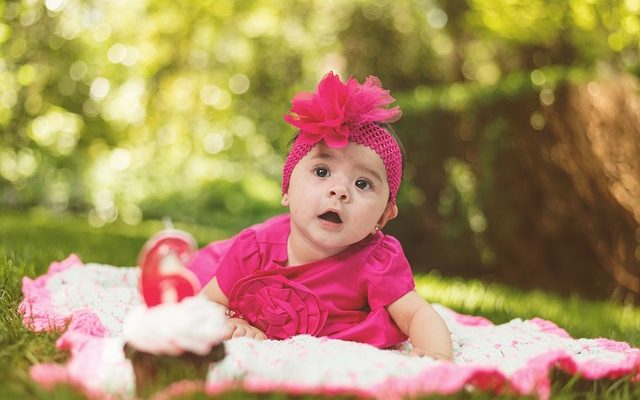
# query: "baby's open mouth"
(331, 216)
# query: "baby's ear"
(285, 200)
(389, 213)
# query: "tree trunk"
(597, 132)
(562, 202)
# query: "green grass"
(30, 241)
(581, 318)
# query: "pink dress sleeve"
(387, 274)
(206, 260)
(242, 259)
(228, 260)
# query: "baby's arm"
(236, 327)
(428, 333)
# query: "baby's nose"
(339, 192)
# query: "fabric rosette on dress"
(281, 308)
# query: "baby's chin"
(337, 241)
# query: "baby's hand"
(237, 327)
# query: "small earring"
(377, 228)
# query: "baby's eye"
(321, 172)
(364, 184)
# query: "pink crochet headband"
(342, 112)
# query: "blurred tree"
(107, 101)
(126, 110)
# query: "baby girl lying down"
(326, 268)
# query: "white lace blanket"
(88, 302)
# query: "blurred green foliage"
(126, 109)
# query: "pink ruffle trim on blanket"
(89, 302)
(38, 314)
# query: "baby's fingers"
(259, 335)
(239, 331)
(228, 333)
(232, 330)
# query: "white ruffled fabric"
(90, 303)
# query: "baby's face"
(337, 196)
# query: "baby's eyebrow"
(322, 155)
(370, 171)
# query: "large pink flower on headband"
(335, 106)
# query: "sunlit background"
(521, 120)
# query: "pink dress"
(341, 297)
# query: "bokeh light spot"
(26, 74)
(210, 94)
(537, 121)
(547, 97)
(54, 5)
(437, 18)
(100, 88)
(117, 53)
(78, 70)
(537, 77)
(120, 159)
(593, 88)
(5, 32)
(239, 84)
(213, 143)
(131, 214)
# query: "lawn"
(30, 241)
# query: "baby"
(326, 268)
